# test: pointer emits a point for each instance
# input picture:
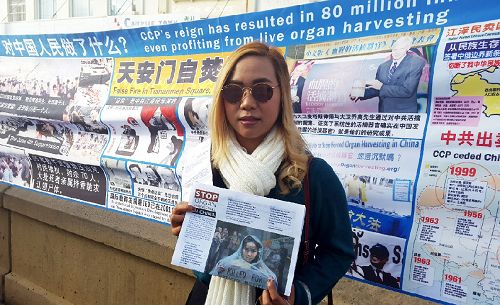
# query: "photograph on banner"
(15, 166)
(193, 112)
(379, 220)
(389, 74)
(52, 137)
(59, 139)
(40, 88)
(87, 146)
(154, 182)
(187, 75)
(147, 133)
(366, 83)
(374, 171)
(162, 121)
(455, 234)
(91, 95)
(238, 251)
(379, 258)
(119, 177)
(69, 179)
(11, 125)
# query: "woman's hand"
(272, 297)
(177, 216)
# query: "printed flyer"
(236, 236)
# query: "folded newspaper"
(239, 236)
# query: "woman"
(256, 148)
(248, 258)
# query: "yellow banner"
(189, 75)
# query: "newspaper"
(242, 237)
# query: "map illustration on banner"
(401, 98)
(455, 240)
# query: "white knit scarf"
(250, 173)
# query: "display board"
(105, 118)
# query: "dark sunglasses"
(233, 93)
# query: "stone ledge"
(3, 188)
(82, 271)
(20, 291)
(5, 260)
(149, 240)
(4, 243)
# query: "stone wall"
(59, 252)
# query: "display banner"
(400, 97)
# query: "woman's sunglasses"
(233, 93)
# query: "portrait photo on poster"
(393, 80)
(378, 258)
